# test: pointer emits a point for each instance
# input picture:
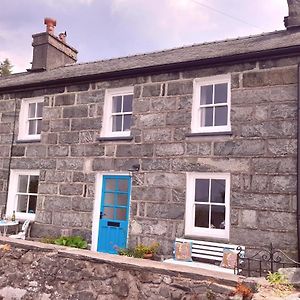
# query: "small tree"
(5, 67)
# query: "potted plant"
(144, 251)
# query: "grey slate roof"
(198, 52)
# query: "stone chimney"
(293, 19)
(50, 51)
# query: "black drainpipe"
(298, 163)
(10, 154)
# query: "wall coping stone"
(127, 262)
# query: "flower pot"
(148, 255)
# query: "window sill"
(28, 141)
(114, 138)
(220, 133)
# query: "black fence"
(264, 261)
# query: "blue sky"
(101, 29)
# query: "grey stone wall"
(260, 154)
(36, 271)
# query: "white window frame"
(24, 121)
(190, 229)
(196, 118)
(12, 194)
(107, 112)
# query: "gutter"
(155, 69)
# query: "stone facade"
(260, 154)
(36, 271)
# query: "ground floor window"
(22, 195)
(208, 205)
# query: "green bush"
(139, 251)
(71, 241)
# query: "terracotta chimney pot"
(50, 24)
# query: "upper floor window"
(23, 192)
(207, 205)
(30, 120)
(117, 112)
(211, 104)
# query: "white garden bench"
(210, 252)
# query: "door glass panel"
(23, 180)
(121, 214)
(22, 203)
(109, 199)
(206, 94)
(117, 123)
(108, 213)
(201, 190)
(221, 115)
(122, 199)
(33, 184)
(32, 204)
(218, 190)
(218, 216)
(123, 185)
(117, 104)
(110, 185)
(31, 110)
(201, 215)
(221, 93)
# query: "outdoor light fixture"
(134, 168)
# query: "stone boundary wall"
(32, 270)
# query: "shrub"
(71, 241)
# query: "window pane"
(201, 190)
(206, 94)
(32, 127)
(121, 213)
(206, 116)
(22, 203)
(110, 184)
(33, 184)
(32, 204)
(117, 123)
(31, 110)
(122, 199)
(123, 185)
(108, 213)
(127, 122)
(201, 215)
(39, 126)
(218, 216)
(221, 93)
(127, 104)
(116, 104)
(23, 181)
(109, 199)
(39, 112)
(221, 116)
(218, 190)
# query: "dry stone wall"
(260, 154)
(34, 271)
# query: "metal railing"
(264, 261)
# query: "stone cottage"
(197, 142)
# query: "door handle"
(101, 214)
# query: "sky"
(102, 29)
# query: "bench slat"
(212, 253)
(205, 243)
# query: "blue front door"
(114, 213)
